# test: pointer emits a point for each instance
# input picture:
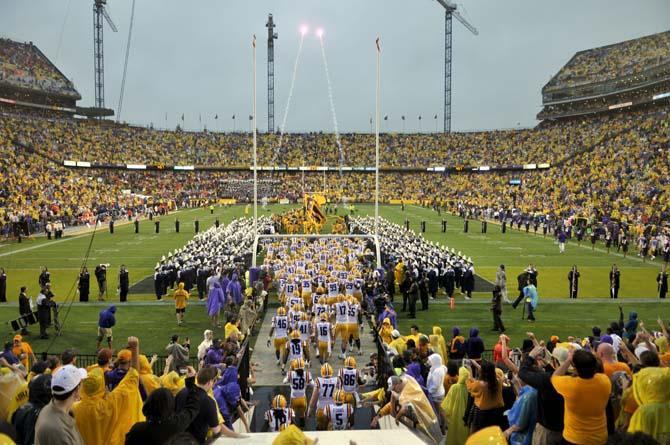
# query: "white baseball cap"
(66, 379)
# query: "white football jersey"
(326, 388)
(295, 350)
(333, 289)
(305, 329)
(338, 416)
(323, 331)
(352, 313)
(280, 325)
(348, 380)
(298, 383)
(341, 312)
(279, 419)
(319, 309)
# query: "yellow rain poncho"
(105, 417)
(385, 331)
(663, 351)
(13, 393)
(147, 377)
(399, 272)
(438, 343)
(454, 405)
(651, 388)
(427, 422)
(172, 382)
(492, 435)
(399, 344)
(292, 435)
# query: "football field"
(154, 322)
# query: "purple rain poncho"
(235, 290)
(227, 394)
(215, 300)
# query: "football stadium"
(254, 266)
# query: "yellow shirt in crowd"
(585, 402)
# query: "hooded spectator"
(454, 406)
(651, 388)
(24, 418)
(105, 417)
(474, 345)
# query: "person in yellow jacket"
(385, 331)
(172, 382)
(105, 417)
(399, 272)
(439, 343)
(399, 343)
(150, 382)
(181, 296)
(13, 392)
(651, 388)
(232, 328)
(454, 406)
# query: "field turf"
(154, 322)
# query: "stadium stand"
(611, 77)
(614, 61)
(27, 75)
(579, 180)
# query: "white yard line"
(27, 249)
(86, 233)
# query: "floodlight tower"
(449, 11)
(272, 35)
(99, 11)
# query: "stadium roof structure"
(24, 67)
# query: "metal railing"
(86, 360)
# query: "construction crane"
(100, 11)
(449, 12)
(272, 36)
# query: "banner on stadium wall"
(227, 201)
(401, 201)
(284, 201)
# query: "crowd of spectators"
(613, 61)
(22, 65)
(108, 143)
(615, 165)
(122, 398)
(604, 386)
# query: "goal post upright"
(253, 106)
(377, 116)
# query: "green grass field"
(154, 322)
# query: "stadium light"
(304, 29)
(319, 32)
